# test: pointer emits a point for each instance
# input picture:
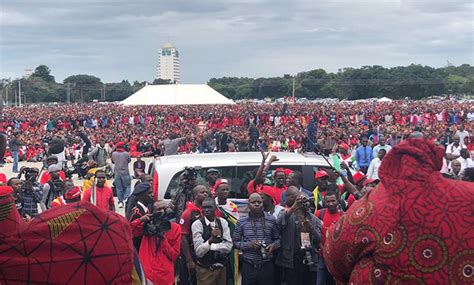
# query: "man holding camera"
(160, 245)
(187, 182)
(53, 189)
(257, 237)
(31, 191)
(300, 237)
(212, 244)
(143, 194)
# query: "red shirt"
(276, 193)
(327, 220)
(104, 197)
(45, 177)
(158, 264)
(187, 217)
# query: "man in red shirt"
(104, 195)
(45, 177)
(159, 252)
(328, 216)
(191, 213)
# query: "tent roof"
(384, 99)
(176, 94)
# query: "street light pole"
(19, 92)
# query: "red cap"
(288, 171)
(219, 182)
(120, 144)
(73, 193)
(320, 174)
(5, 191)
(279, 170)
(358, 176)
(344, 146)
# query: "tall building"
(168, 66)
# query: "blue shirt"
(364, 156)
(250, 229)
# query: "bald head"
(291, 194)
(200, 193)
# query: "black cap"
(141, 187)
(211, 170)
(52, 157)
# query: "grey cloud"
(118, 40)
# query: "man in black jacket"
(300, 237)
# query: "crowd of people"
(380, 155)
(239, 127)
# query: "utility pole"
(19, 92)
(68, 93)
(6, 94)
(103, 92)
(293, 93)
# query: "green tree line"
(413, 81)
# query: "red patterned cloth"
(416, 227)
(76, 243)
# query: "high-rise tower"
(168, 66)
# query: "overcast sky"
(116, 39)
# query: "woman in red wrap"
(416, 227)
(76, 243)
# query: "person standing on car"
(257, 237)
(212, 244)
(122, 179)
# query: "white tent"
(176, 94)
(384, 99)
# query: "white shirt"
(201, 247)
(465, 163)
(373, 171)
(379, 147)
(462, 135)
(470, 116)
(276, 211)
(451, 149)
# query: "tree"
(84, 87)
(43, 72)
(159, 81)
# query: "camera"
(189, 175)
(263, 250)
(159, 223)
(307, 258)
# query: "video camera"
(263, 250)
(189, 174)
(159, 223)
(307, 259)
(31, 173)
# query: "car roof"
(238, 158)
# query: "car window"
(225, 172)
